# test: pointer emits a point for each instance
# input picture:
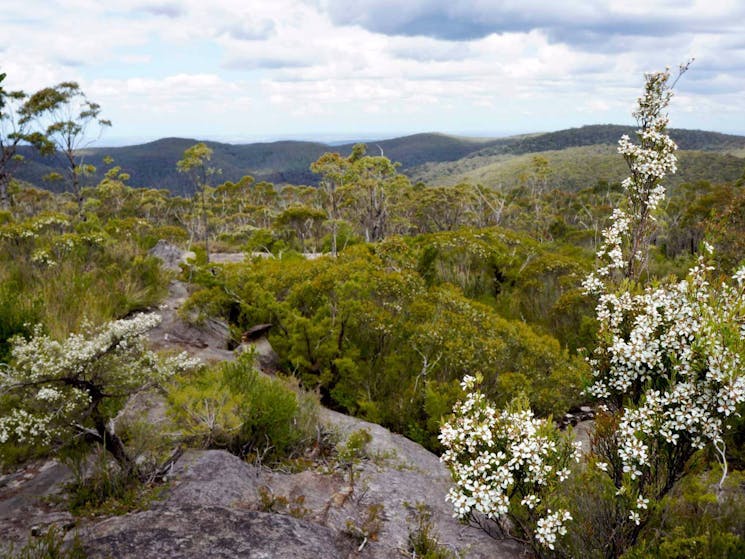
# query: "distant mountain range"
(576, 155)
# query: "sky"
(255, 70)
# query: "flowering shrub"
(668, 363)
(624, 251)
(667, 368)
(76, 386)
(505, 465)
(232, 406)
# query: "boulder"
(207, 512)
(25, 507)
(170, 255)
(207, 340)
(265, 358)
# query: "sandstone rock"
(208, 341)
(170, 255)
(227, 257)
(190, 531)
(582, 432)
(23, 504)
(211, 478)
(265, 358)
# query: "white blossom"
(551, 526)
(670, 354)
(491, 452)
(61, 382)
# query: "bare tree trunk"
(4, 194)
(206, 226)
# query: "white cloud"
(280, 64)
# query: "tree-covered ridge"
(434, 158)
(573, 168)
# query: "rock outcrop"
(189, 531)
(217, 505)
(170, 255)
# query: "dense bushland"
(386, 331)
(420, 287)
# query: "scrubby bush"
(366, 330)
(233, 406)
(72, 275)
(49, 545)
(697, 520)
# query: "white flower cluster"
(610, 252)
(57, 381)
(670, 355)
(42, 257)
(678, 338)
(551, 526)
(33, 228)
(25, 426)
(649, 161)
(654, 157)
(492, 453)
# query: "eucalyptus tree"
(195, 164)
(362, 187)
(66, 122)
(12, 132)
(333, 169)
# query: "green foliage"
(353, 449)
(108, 490)
(367, 526)
(579, 164)
(367, 331)
(232, 406)
(17, 314)
(204, 304)
(61, 276)
(49, 545)
(271, 502)
(62, 117)
(697, 521)
(727, 231)
(597, 515)
(422, 542)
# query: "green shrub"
(60, 276)
(377, 342)
(422, 542)
(697, 521)
(49, 545)
(233, 406)
(17, 314)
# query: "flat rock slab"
(211, 478)
(170, 255)
(23, 502)
(27, 487)
(207, 341)
(189, 532)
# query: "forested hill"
(436, 158)
(608, 134)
